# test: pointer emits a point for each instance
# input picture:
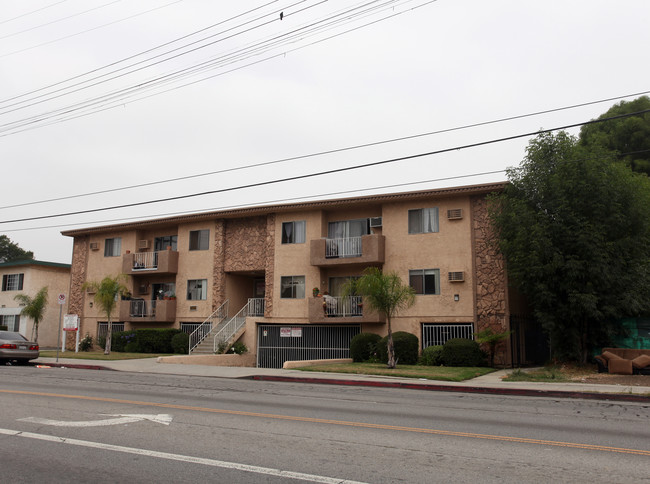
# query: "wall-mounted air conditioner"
(455, 214)
(143, 244)
(94, 246)
(375, 222)
(456, 276)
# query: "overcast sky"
(97, 95)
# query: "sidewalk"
(486, 384)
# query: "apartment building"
(28, 277)
(251, 274)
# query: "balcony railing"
(350, 247)
(142, 310)
(329, 309)
(342, 307)
(256, 306)
(365, 250)
(160, 262)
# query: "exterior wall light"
(456, 297)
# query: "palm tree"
(34, 308)
(106, 294)
(383, 292)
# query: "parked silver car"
(15, 347)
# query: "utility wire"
(32, 12)
(293, 199)
(127, 92)
(328, 172)
(321, 153)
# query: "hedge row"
(148, 341)
(370, 347)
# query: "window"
(199, 239)
(161, 243)
(12, 282)
(197, 289)
(293, 232)
(346, 229)
(423, 220)
(112, 247)
(11, 321)
(425, 281)
(292, 287)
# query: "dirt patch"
(607, 379)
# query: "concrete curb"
(621, 397)
(75, 365)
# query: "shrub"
(406, 348)
(155, 340)
(120, 339)
(86, 343)
(101, 342)
(363, 346)
(181, 343)
(222, 347)
(431, 356)
(239, 348)
(462, 352)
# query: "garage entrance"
(279, 343)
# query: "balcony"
(341, 310)
(143, 311)
(364, 250)
(144, 263)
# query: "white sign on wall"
(70, 322)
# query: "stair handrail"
(200, 333)
(231, 327)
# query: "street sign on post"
(61, 299)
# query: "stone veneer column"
(219, 274)
(490, 278)
(269, 265)
(76, 294)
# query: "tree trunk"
(109, 333)
(391, 348)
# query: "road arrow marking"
(161, 418)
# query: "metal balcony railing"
(347, 247)
(342, 307)
(141, 308)
(145, 261)
(256, 306)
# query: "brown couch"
(624, 361)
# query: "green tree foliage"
(10, 251)
(491, 340)
(385, 293)
(106, 294)
(628, 137)
(574, 229)
(34, 307)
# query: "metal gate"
(279, 343)
(434, 334)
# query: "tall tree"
(386, 293)
(106, 295)
(34, 307)
(574, 229)
(628, 137)
(10, 251)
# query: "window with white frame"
(12, 282)
(197, 289)
(199, 239)
(292, 287)
(293, 232)
(112, 247)
(425, 281)
(423, 220)
(11, 321)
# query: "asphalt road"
(68, 425)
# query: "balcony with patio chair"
(346, 309)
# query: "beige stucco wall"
(36, 277)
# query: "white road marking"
(162, 418)
(178, 457)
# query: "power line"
(266, 202)
(33, 12)
(328, 172)
(117, 97)
(327, 152)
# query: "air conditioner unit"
(375, 222)
(143, 289)
(455, 214)
(94, 246)
(456, 276)
(143, 244)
